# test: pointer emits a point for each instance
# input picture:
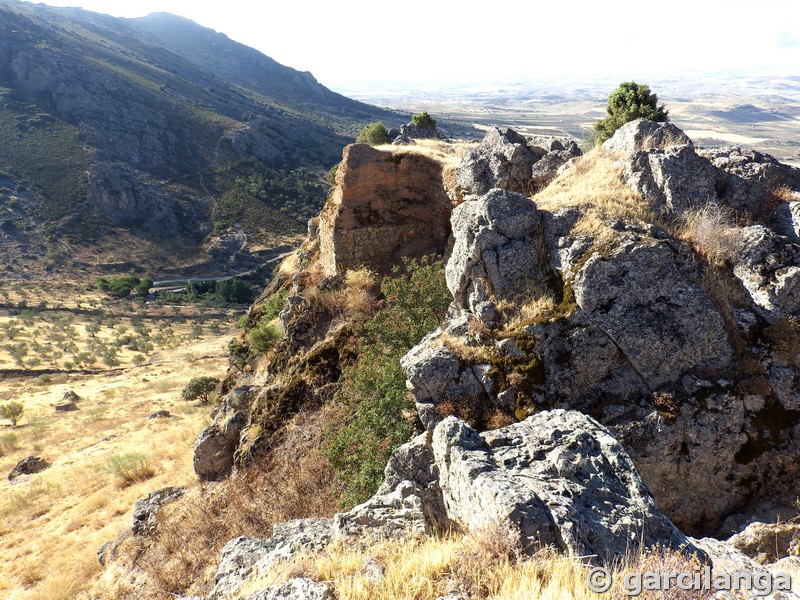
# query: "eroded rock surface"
(384, 206)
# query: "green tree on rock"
(423, 120)
(373, 134)
(630, 101)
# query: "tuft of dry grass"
(475, 354)
(712, 232)
(596, 185)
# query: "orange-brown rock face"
(384, 206)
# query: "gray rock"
(728, 560)
(66, 407)
(503, 160)
(145, 511)
(642, 135)
(751, 178)
(395, 514)
(769, 269)
(70, 396)
(435, 374)
(423, 133)
(160, 414)
(402, 140)
(295, 589)
(660, 162)
(560, 478)
(108, 551)
(551, 164)
(662, 322)
(413, 462)
(787, 220)
(242, 557)
(216, 446)
(494, 255)
(28, 466)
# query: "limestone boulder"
(495, 254)
(560, 478)
(769, 269)
(243, 557)
(435, 374)
(660, 162)
(503, 160)
(145, 511)
(28, 466)
(216, 446)
(663, 322)
(298, 588)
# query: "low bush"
(129, 468)
(263, 336)
(373, 389)
(373, 134)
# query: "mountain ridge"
(175, 138)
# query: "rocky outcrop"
(660, 162)
(503, 160)
(28, 466)
(751, 178)
(560, 478)
(769, 269)
(298, 588)
(215, 448)
(727, 560)
(145, 511)
(435, 374)
(630, 296)
(495, 256)
(384, 206)
(767, 543)
(242, 556)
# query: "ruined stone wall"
(385, 205)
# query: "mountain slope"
(156, 132)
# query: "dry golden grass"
(293, 481)
(712, 232)
(52, 523)
(482, 565)
(476, 354)
(596, 185)
(449, 154)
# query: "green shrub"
(335, 169)
(8, 443)
(273, 305)
(373, 389)
(12, 411)
(263, 336)
(423, 120)
(237, 352)
(129, 468)
(373, 134)
(200, 387)
(630, 101)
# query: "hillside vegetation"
(156, 127)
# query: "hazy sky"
(355, 42)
